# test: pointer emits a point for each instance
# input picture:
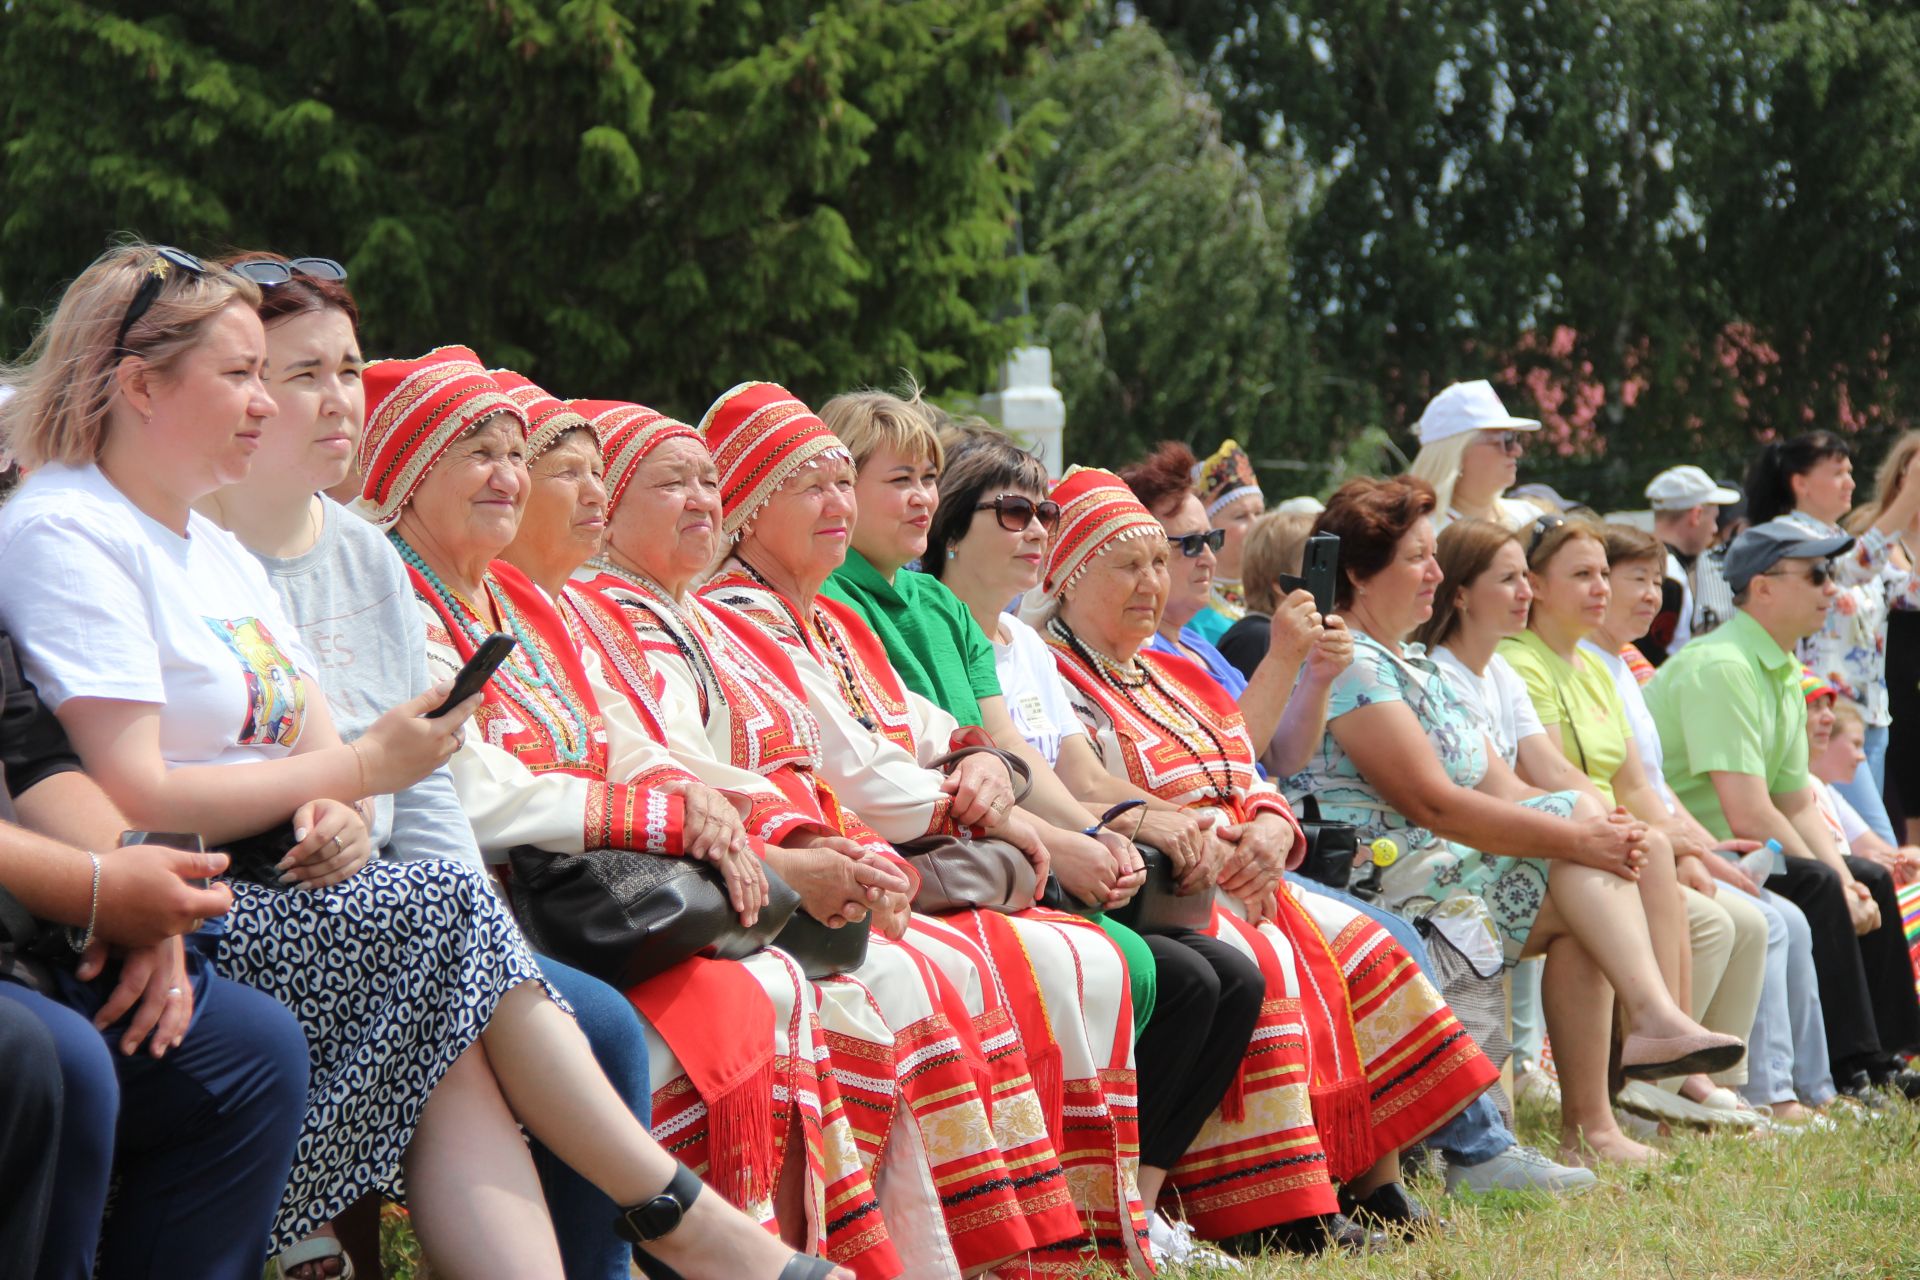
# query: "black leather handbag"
(1159, 906)
(1331, 847)
(822, 951)
(625, 917)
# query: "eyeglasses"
(1015, 511)
(1542, 526)
(166, 259)
(1818, 574)
(1505, 441)
(266, 272)
(1191, 543)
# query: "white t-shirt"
(1497, 697)
(1852, 825)
(106, 602)
(1035, 694)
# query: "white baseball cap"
(1468, 406)
(1684, 488)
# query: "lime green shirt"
(930, 637)
(1730, 702)
(1596, 740)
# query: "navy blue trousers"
(201, 1139)
(582, 1214)
(30, 1103)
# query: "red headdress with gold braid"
(760, 434)
(628, 433)
(416, 409)
(1096, 511)
(548, 417)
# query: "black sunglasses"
(166, 259)
(266, 273)
(1543, 526)
(1819, 574)
(1191, 543)
(1015, 511)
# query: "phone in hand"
(479, 669)
(1322, 562)
(188, 840)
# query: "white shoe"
(1654, 1103)
(1173, 1245)
(1519, 1168)
(1536, 1087)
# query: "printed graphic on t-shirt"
(276, 700)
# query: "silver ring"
(173, 991)
(338, 844)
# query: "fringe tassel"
(740, 1160)
(1233, 1107)
(1049, 1072)
(1343, 1115)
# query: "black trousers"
(1846, 1002)
(1208, 1000)
(30, 1102)
(1888, 964)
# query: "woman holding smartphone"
(168, 659)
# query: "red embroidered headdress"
(416, 409)
(628, 433)
(760, 434)
(1096, 511)
(548, 417)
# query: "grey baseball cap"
(1765, 545)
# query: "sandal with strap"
(313, 1249)
(641, 1224)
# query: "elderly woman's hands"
(839, 882)
(711, 831)
(1102, 870)
(1181, 836)
(1259, 855)
(981, 785)
(333, 844)
(404, 745)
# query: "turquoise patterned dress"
(1429, 868)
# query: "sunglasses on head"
(266, 272)
(1819, 573)
(1190, 544)
(1542, 526)
(166, 261)
(1015, 511)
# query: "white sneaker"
(1519, 1168)
(1538, 1088)
(1173, 1245)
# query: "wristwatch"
(647, 1222)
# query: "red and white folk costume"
(900, 1038)
(1355, 1053)
(557, 760)
(1048, 980)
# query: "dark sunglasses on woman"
(166, 261)
(1191, 543)
(1015, 511)
(266, 272)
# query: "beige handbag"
(959, 873)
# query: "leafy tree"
(644, 201)
(1679, 223)
(1162, 279)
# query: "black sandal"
(642, 1224)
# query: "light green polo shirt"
(930, 637)
(1730, 702)
(1596, 740)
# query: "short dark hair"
(978, 462)
(1370, 516)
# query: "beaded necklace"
(524, 677)
(662, 602)
(842, 662)
(1140, 687)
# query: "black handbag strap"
(1308, 810)
(1017, 768)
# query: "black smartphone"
(188, 840)
(479, 669)
(1322, 561)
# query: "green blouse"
(931, 638)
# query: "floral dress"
(1850, 648)
(1429, 868)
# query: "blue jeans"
(1862, 790)
(202, 1139)
(1477, 1134)
(1787, 1050)
(582, 1213)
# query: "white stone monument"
(1029, 407)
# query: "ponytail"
(1770, 478)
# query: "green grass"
(1840, 1204)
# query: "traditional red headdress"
(548, 417)
(628, 433)
(760, 434)
(416, 409)
(1096, 511)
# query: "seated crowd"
(873, 856)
